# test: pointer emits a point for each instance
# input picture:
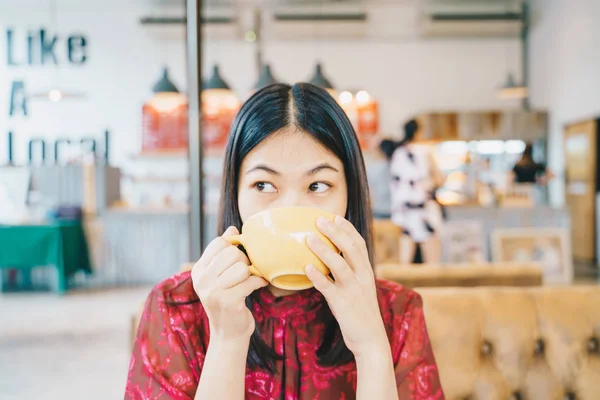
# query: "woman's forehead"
(290, 150)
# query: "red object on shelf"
(368, 122)
(164, 129)
(363, 113)
(215, 128)
(368, 118)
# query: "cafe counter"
(133, 246)
(492, 218)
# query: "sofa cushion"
(502, 343)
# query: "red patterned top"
(172, 340)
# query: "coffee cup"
(275, 242)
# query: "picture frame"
(464, 242)
(550, 247)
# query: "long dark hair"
(527, 156)
(389, 146)
(313, 111)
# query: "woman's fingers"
(214, 247)
(322, 284)
(352, 245)
(231, 231)
(233, 275)
(351, 230)
(339, 267)
(224, 260)
(352, 251)
(246, 287)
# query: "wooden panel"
(484, 125)
(581, 162)
(580, 152)
(581, 208)
(439, 126)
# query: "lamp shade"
(219, 108)
(164, 118)
(511, 90)
(266, 78)
(319, 79)
(165, 85)
(216, 81)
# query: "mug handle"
(238, 240)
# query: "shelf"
(175, 154)
(149, 210)
(156, 179)
(160, 155)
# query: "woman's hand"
(353, 297)
(222, 281)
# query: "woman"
(530, 177)
(528, 171)
(219, 333)
(415, 177)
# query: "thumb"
(231, 231)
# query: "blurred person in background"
(415, 178)
(378, 176)
(526, 170)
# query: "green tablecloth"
(62, 245)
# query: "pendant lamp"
(511, 90)
(318, 79)
(266, 78)
(219, 108)
(166, 95)
(164, 117)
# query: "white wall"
(123, 64)
(565, 70)
(408, 75)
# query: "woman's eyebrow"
(262, 167)
(321, 167)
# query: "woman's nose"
(293, 199)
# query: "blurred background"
(109, 183)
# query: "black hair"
(527, 156)
(313, 111)
(410, 130)
(388, 146)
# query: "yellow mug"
(275, 242)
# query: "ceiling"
(316, 2)
(267, 3)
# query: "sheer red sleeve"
(165, 363)
(416, 370)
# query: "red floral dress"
(173, 337)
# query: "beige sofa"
(515, 343)
(469, 275)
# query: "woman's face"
(290, 168)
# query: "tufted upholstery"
(515, 343)
(495, 274)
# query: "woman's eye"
(318, 187)
(265, 187)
